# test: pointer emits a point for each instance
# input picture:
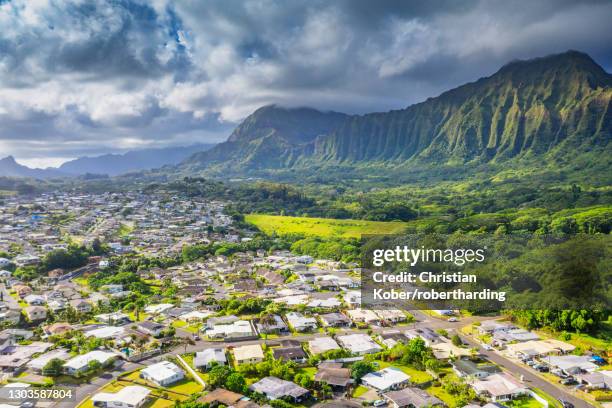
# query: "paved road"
(529, 375)
(8, 299)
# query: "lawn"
(525, 402)
(416, 376)
(359, 391)
(322, 227)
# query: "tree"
(218, 375)
(236, 382)
(456, 340)
(53, 368)
(361, 368)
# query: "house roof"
(248, 352)
(385, 378)
(333, 375)
(498, 385)
(223, 396)
(162, 371)
(131, 394)
(274, 387)
(414, 397)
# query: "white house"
(300, 322)
(163, 373)
(387, 379)
(359, 344)
(80, 363)
(248, 354)
(205, 358)
(500, 387)
(320, 345)
(132, 396)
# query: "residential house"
(274, 324)
(364, 316)
(248, 354)
(301, 323)
(151, 328)
(392, 338)
(35, 313)
(81, 306)
(387, 379)
(500, 387)
(275, 388)
(320, 345)
(163, 373)
(359, 344)
(411, 397)
(241, 329)
(290, 353)
(335, 320)
(465, 368)
(334, 375)
(131, 396)
(80, 364)
(206, 358)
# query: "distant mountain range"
(542, 108)
(108, 164)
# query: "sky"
(91, 77)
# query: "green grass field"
(322, 227)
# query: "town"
(135, 299)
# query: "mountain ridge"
(528, 108)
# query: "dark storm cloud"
(94, 76)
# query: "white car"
(453, 319)
(487, 347)
(379, 403)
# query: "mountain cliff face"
(10, 168)
(543, 107)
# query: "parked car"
(541, 368)
(566, 404)
(487, 347)
(380, 403)
(531, 363)
(568, 381)
(453, 319)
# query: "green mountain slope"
(544, 109)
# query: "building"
(35, 313)
(539, 348)
(132, 396)
(392, 338)
(221, 396)
(387, 379)
(411, 397)
(571, 364)
(290, 353)
(80, 364)
(163, 373)
(300, 322)
(468, 369)
(275, 388)
(241, 329)
(334, 375)
(499, 387)
(274, 324)
(151, 328)
(206, 358)
(320, 345)
(335, 320)
(364, 316)
(359, 344)
(248, 354)
(598, 380)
